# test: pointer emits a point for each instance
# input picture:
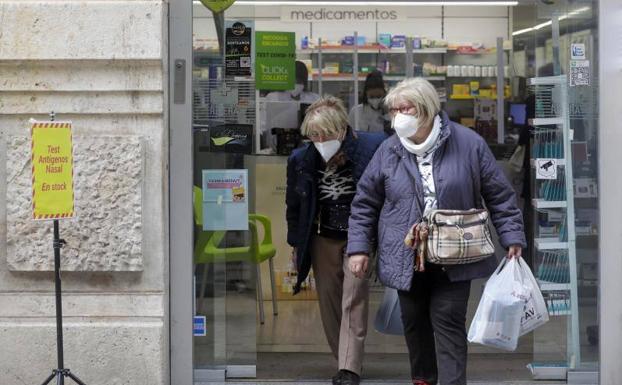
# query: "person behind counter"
(372, 116)
(321, 183)
(300, 92)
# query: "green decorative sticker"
(275, 68)
(217, 6)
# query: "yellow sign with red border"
(52, 170)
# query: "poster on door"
(238, 48)
(225, 200)
(275, 68)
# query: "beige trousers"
(344, 302)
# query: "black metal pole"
(59, 302)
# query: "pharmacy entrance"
(520, 74)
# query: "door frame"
(179, 70)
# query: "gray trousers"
(344, 302)
(434, 317)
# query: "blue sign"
(225, 200)
(199, 326)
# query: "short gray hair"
(421, 93)
(327, 116)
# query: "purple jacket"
(384, 208)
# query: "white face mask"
(298, 88)
(328, 149)
(374, 102)
(405, 126)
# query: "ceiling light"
(376, 3)
(546, 24)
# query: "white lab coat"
(369, 120)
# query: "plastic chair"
(208, 250)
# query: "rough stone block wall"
(101, 65)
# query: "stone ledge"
(35, 305)
(106, 234)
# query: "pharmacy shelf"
(543, 204)
(553, 286)
(560, 163)
(362, 76)
(376, 50)
(469, 97)
(550, 244)
(546, 121)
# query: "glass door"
(227, 233)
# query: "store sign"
(546, 169)
(52, 170)
(199, 326)
(579, 73)
(232, 138)
(225, 200)
(217, 6)
(275, 68)
(577, 51)
(337, 14)
(238, 49)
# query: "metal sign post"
(61, 372)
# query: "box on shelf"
(348, 40)
(331, 68)
(384, 39)
(474, 88)
(460, 90)
(398, 41)
(585, 188)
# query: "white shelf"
(552, 286)
(546, 121)
(341, 78)
(560, 162)
(370, 51)
(542, 204)
(547, 80)
(550, 244)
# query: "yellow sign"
(52, 170)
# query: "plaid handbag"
(451, 237)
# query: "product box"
(348, 40)
(585, 188)
(346, 67)
(361, 40)
(384, 39)
(460, 89)
(331, 68)
(474, 88)
(398, 41)
(416, 43)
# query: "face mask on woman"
(298, 88)
(374, 102)
(404, 125)
(328, 149)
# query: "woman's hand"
(358, 265)
(515, 251)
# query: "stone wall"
(101, 65)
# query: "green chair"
(208, 250)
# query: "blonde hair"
(326, 116)
(421, 93)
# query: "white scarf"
(430, 142)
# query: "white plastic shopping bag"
(389, 317)
(535, 313)
(497, 320)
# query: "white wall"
(99, 64)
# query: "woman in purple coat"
(430, 163)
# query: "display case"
(557, 346)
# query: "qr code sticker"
(245, 62)
(579, 73)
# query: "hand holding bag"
(497, 321)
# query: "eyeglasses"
(402, 109)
